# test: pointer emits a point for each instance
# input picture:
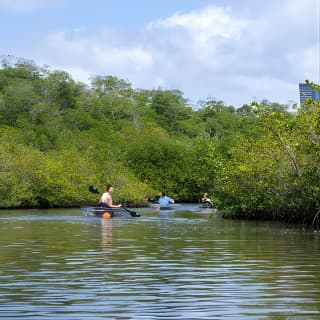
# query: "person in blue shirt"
(165, 200)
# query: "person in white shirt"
(106, 198)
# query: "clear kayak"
(158, 207)
(107, 213)
(206, 205)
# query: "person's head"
(164, 194)
(205, 195)
(109, 188)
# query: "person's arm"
(110, 204)
(109, 201)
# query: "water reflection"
(180, 266)
(106, 231)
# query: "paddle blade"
(132, 213)
(154, 199)
(93, 189)
(135, 214)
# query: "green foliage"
(274, 172)
(159, 161)
(58, 136)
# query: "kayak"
(158, 207)
(108, 213)
(206, 205)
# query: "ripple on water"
(173, 267)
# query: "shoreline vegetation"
(58, 136)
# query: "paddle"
(94, 190)
(154, 199)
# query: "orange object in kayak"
(106, 215)
(114, 211)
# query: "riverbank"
(293, 217)
(58, 136)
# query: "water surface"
(58, 264)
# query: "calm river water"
(58, 264)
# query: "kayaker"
(165, 200)
(206, 199)
(106, 198)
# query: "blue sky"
(231, 50)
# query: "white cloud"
(305, 62)
(213, 51)
(78, 74)
(262, 87)
(90, 53)
(204, 24)
(236, 59)
(201, 32)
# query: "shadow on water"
(178, 265)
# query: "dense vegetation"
(58, 136)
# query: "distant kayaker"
(206, 199)
(165, 200)
(106, 198)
